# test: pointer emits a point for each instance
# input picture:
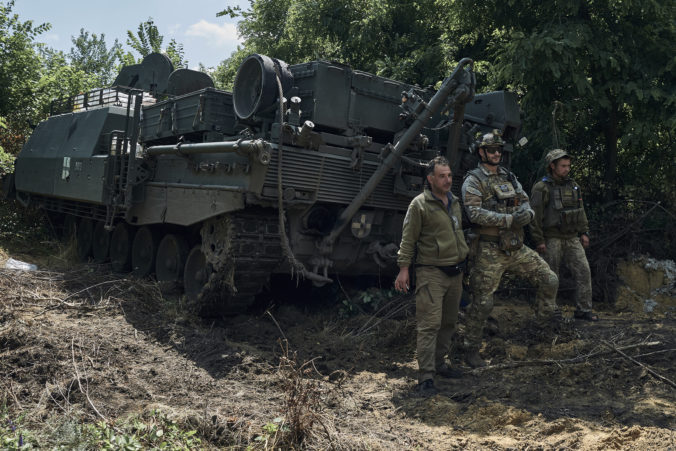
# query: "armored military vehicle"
(304, 169)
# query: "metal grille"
(331, 177)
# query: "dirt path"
(132, 351)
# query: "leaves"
(91, 55)
(147, 40)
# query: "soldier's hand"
(402, 281)
(584, 239)
(541, 248)
(521, 217)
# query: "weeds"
(12, 433)
(152, 430)
(302, 402)
(21, 226)
(366, 301)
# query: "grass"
(149, 430)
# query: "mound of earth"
(86, 343)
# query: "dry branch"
(578, 359)
(645, 367)
(79, 383)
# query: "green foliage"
(6, 160)
(20, 71)
(147, 40)
(13, 434)
(176, 54)
(392, 39)
(19, 225)
(149, 431)
(32, 75)
(19, 62)
(91, 56)
(61, 79)
(270, 431)
(608, 68)
(152, 430)
(366, 301)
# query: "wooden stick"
(77, 377)
(646, 367)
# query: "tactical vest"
(501, 196)
(564, 210)
(500, 190)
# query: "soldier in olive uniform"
(560, 228)
(498, 209)
(433, 229)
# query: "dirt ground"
(85, 342)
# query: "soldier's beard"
(489, 162)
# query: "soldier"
(433, 227)
(498, 209)
(560, 230)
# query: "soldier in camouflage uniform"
(498, 209)
(432, 236)
(560, 229)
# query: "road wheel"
(69, 228)
(171, 256)
(196, 273)
(101, 244)
(85, 238)
(144, 251)
(120, 247)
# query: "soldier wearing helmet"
(498, 209)
(560, 228)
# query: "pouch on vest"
(569, 197)
(571, 220)
(504, 190)
(510, 240)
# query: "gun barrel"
(461, 88)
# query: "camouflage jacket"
(482, 196)
(559, 212)
(434, 231)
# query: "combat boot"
(427, 388)
(473, 359)
(448, 372)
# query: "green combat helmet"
(554, 155)
(491, 139)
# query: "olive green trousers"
(437, 299)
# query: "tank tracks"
(241, 250)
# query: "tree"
(390, 38)
(91, 55)
(148, 40)
(20, 70)
(60, 79)
(609, 66)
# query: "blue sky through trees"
(206, 39)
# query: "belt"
(490, 238)
(448, 270)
